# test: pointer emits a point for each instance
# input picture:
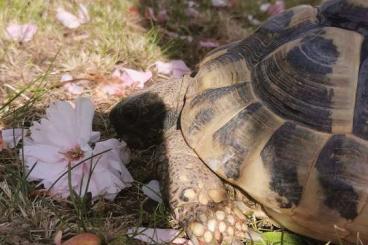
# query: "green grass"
(29, 81)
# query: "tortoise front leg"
(197, 196)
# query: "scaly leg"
(196, 196)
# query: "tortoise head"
(141, 119)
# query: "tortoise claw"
(218, 224)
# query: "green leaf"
(280, 238)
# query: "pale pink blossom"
(157, 236)
(152, 190)
(70, 20)
(130, 77)
(65, 138)
(174, 68)
(21, 33)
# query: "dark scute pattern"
(301, 93)
(226, 136)
(203, 117)
(341, 13)
(282, 166)
(360, 123)
(364, 51)
(271, 35)
(321, 52)
(333, 162)
(212, 95)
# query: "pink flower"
(64, 137)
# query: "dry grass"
(30, 73)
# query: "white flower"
(64, 137)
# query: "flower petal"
(74, 88)
(66, 18)
(208, 44)
(84, 111)
(152, 190)
(11, 137)
(130, 76)
(220, 3)
(175, 68)
(21, 33)
(156, 236)
(113, 89)
(110, 175)
(83, 14)
(44, 153)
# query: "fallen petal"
(70, 86)
(21, 33)
(113, 89)
(130, 77)
(175, 68)
(66, 18)
(66, 77)
(83, 239)
(57, 238)
(74, 88)
(220, 3)
(83, 14)
(264, 7)
(152, 190)
(208, 44)
(192, 12)
(273, 9)
(156, 236)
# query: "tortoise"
(282, 115)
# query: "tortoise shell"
(283, 114)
